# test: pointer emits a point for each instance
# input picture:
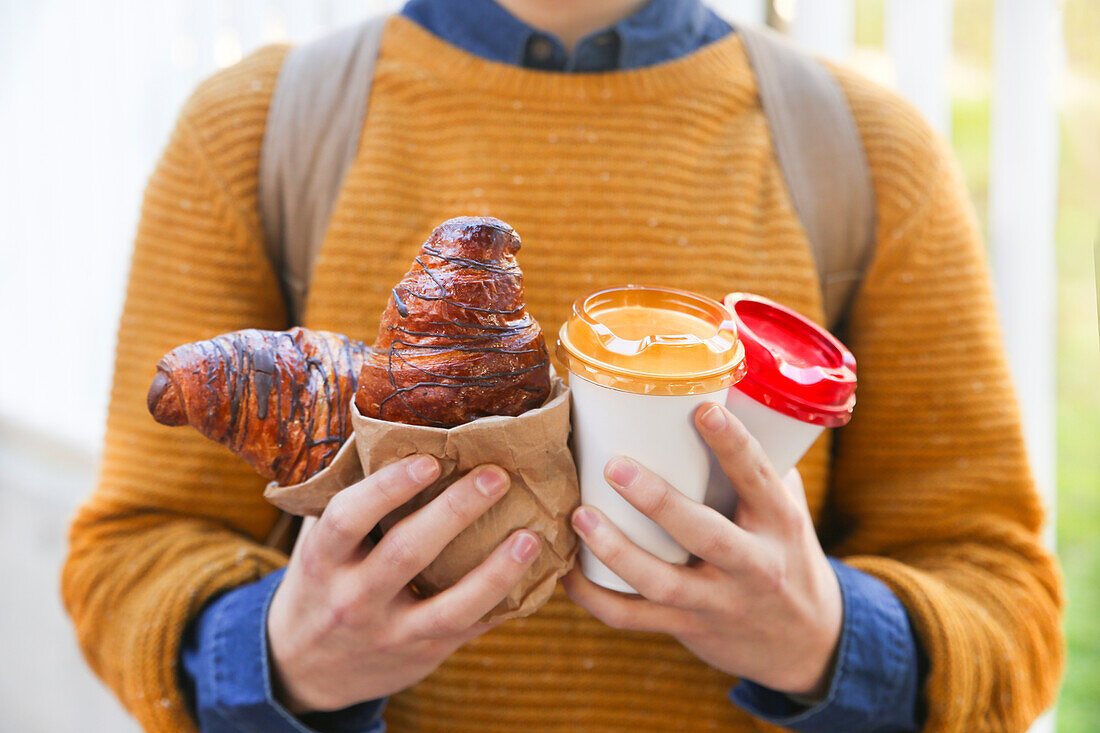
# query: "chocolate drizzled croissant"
(456, 342)
(278, 399)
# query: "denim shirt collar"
(659, 31)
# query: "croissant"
(278, 399)
(455, 341)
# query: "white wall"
(88, 95)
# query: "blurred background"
(89, 93)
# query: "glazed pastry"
(278, 399)
(456, 342)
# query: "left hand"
(762, 602)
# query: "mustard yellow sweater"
(661, 176)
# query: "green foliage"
(970, 141)
(1079, 448)
(869, 20)
(1082, 29)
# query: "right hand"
(343, 626)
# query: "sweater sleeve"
(932, 492)
(175, 518)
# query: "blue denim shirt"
(878, 671)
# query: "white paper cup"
(641, 361)
(658, 432)
(784, 440)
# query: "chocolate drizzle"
(456, 341)
(278, 399)
(263, 364)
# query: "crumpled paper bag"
(532, 447)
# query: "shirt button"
(603, 40)
(541, 49)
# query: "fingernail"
(713, 419)
(490, 481)
(622, 472)
(424, 468)
(584, 520)
(524, 547)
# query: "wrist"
(284, 692)
(819, 689)
(809, 682)
(286, 687)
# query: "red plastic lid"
(795, 366)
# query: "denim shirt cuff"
(876, 679)
(225, 657)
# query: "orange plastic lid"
(657, 341)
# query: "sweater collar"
(661, 30)
(720, 67)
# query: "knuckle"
(387, 632)
(389, 489)
(338, 518)
(400, 552)
(716, 544)
(434, 651)
(791, 521)
(772, 575)
(761, 474)
(405, 632)
(614, 617)
(658, 502)
(669, 593)
(618, 618)
(394, 482)
(340, 616)
(793, 481)
(441, 625)
(691, 625)
(737, 437)
(735, 612)
(342, 610)
(456, 505)
(500, 578)
(612, 551)
(393, 636)
(310, 561)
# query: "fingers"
(793, 481)
(657, 580)
(459, 608)
(621, 611)
(699, 529)
(352, 513)
(416, 540)
(744, 462)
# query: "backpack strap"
(823, 161)
(311, 137)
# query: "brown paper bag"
(533, 448)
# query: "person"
(624, 140)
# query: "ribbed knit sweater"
(661, 176)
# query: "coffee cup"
(800, 380)
(641, 360)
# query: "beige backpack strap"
(311, 137)
(824, 165)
